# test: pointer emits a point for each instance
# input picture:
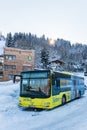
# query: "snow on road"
(71, 116)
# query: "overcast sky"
(65, 19)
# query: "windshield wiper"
(28, 88)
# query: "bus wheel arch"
(63, 99)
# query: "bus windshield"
(34, 86)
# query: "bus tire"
(79, 94)
(63, 99)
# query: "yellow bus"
(47, 89)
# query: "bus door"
(55, 91)
(75, 88)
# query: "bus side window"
(56, 87)
(75, 82)
(53, 80)
(58, 83)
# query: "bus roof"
(35, 71)
(68, 74)
(47, 70)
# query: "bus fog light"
(19, 101)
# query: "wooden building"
(56, 64)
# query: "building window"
(1, 60)
(10, 76)
(1, 67)
(1, 74)
(10, 57)
(29, 57)
(26, 68)
(9, 67)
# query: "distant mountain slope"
(74, 55)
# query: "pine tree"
(44, 57)
(9, 40)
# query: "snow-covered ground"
(71, 116)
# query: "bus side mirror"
(85, 73)
(16, 78)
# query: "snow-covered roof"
(56, 60)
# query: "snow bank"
(8, 95)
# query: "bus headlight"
(47, 104)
